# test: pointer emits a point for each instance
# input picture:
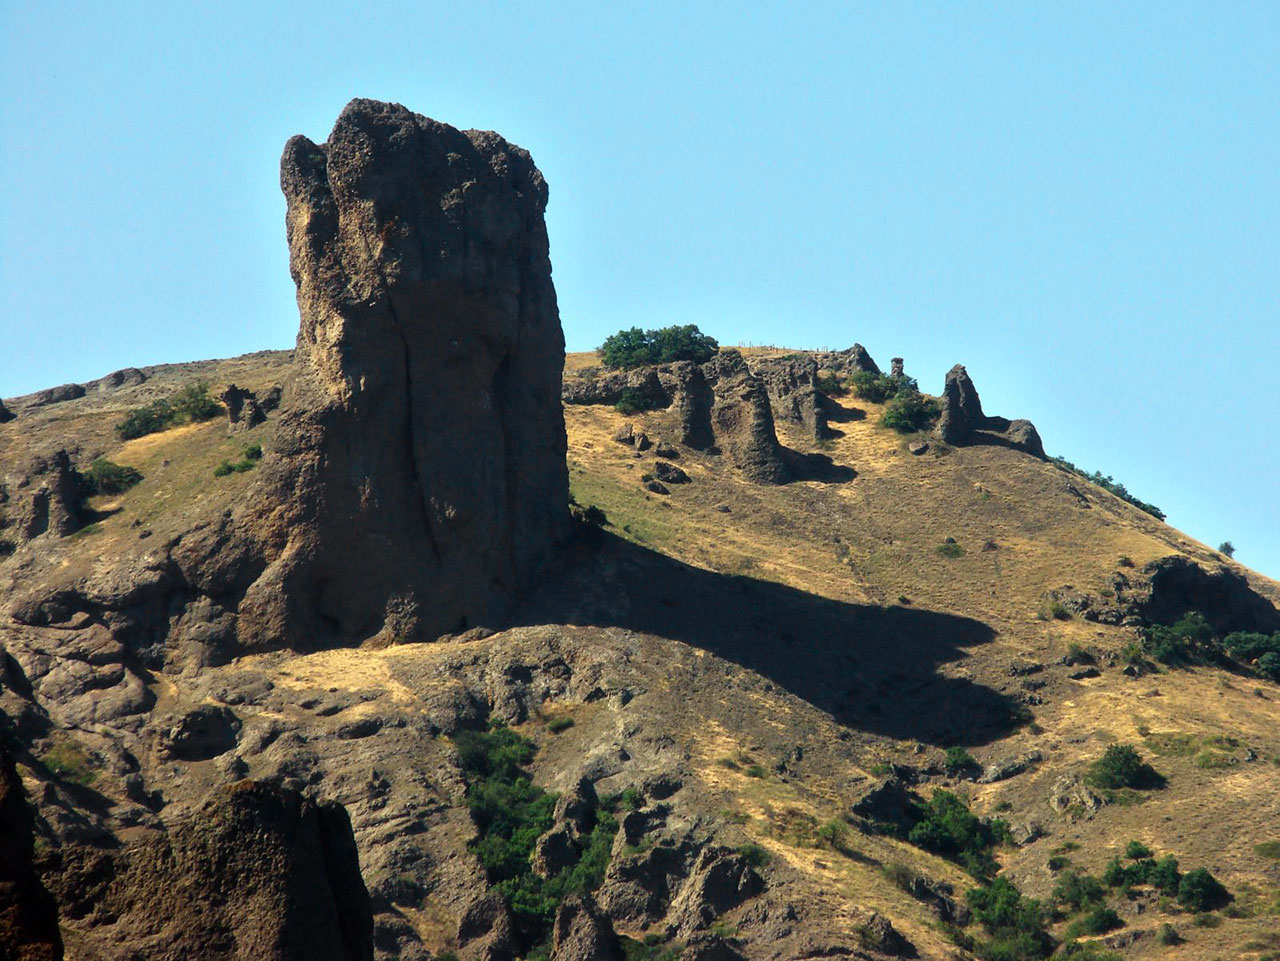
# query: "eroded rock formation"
(41, 499)
(28, 914)
(742, 419)
(254, 873)
(963, 422)
(423, 477)
(792, 385)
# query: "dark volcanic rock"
(254, 872)
(28, 914)
(126, 377)
(694, 399)
(44, 498)
(963, 422)
(607, 388)
(670, 473)
(583, 933)
(1178, 585)
(6, 414)
(56, 395)
(792, 385)
(855, 360)
(243, 409)
(742, 420)
(422, 479)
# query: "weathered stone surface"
(963, 421)
(1007, 767)
(126, 377)
(583, 933)
(719, 882)
(742, 420)
(1177, 585)
(244, 409)
(43, 499)
(56, 395)
(607, 388)
(487, 930)
(28, 913)
(6, 414)
(880, 935)
(792, 385)
(253, 872)
(422, 473)
(855, 360)
(670, 473)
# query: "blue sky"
(1080, 202)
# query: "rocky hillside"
(306, 655)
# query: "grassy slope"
(874, 540)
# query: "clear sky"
(1080, 202)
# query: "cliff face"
(424, 476)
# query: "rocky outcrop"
(422, 479)
(583, 933)
(245, 410)
(6, 414)
(126, 377)
(56, 395)
(855, 360)
(607, 388)
(963, 422)
(254, 873)
(42, 499)
(792, 385)
(28, 913)
(1177, 585)
(742, 419)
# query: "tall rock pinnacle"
(425, 478)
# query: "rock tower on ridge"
(963, 422)
(425, 473)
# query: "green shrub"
(1100, 920)
(106, 477)
(1121, 766)
(632, 401)
(510, 813)
(189, 405)
(558, 724)
(636, 347)
(755, 770)
(753, 854)
(910, 411)
(1226, 547)
(879, 388)
(960, 763)
(947, 827)
(950, 549)
(1058, 862)
(631, 799)
(1136, 851)
(1186, 642)
(1015, 924)
(1267, 849)
(1201, 891)
(1207, 920)
(1260, 649)
(1168, 935)
(829, 384)
(1078, 891)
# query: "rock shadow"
(816, 467)
(871, 668)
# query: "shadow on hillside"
(871, 668)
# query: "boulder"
(200, 734)
(6, 414)
(1177, 585)
(583, 933)
(421, 480)
(487, 929)
(670, 473)
(878, 934)
(28, 913)
(720, 881)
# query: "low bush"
(1122, 767)
(950, 549)
(947, 827)
(1260, 650)
(250, 460)
(1015, 925)
(754, 855)
(910, 411)
(632, 400)
(106, 477)
(1136, 851)
(1201, 891)
(960, 763)
(558, 724)
(879, 388)
(1186, 642)
(189, 405)
(1099, 920)
(1077, 891)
